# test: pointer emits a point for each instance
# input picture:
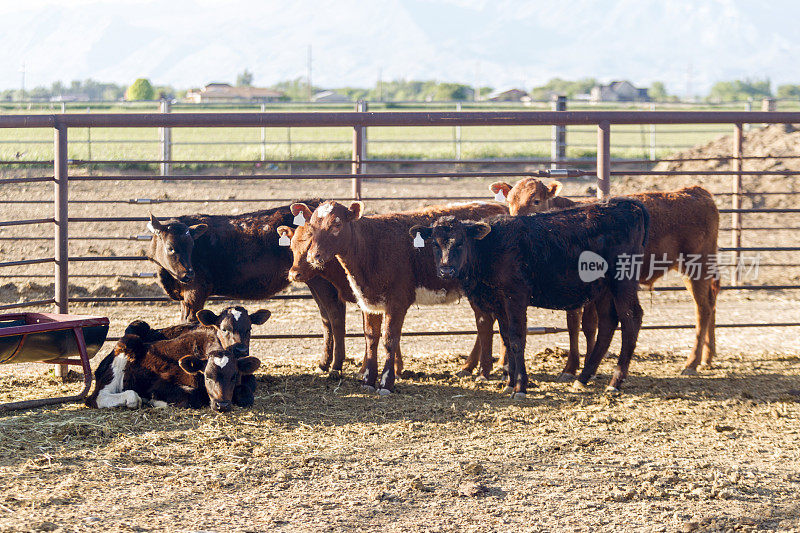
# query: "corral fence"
(358, 122)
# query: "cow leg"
(705, 302)
(573, 358)
(606, 324)
(710, 349)
(332, 312)
(589, 326)
(629, 311)
(244, 393)
(391, 341)
(372, 334)
(193, 301)
(515, 324)
(482, 349)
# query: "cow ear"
(260, 316)
(478, 230)
(197, 230)
(207, 317)
(300, 207)
(285, 230)
(248, 365)
(554, 189)
(498, 186)
(154, 226)
(424, 231)
(192, 364)
(356, 210)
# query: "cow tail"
(645, 223)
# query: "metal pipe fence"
(359, 122)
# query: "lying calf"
(506, 264)
(164, 365)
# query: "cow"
(683, 224)
(238, 257)
(163, 366)
(505, 264)
(384, 272)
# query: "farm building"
(330, 97)
(618, 91)
(224, 92)
(511, 95)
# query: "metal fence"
(358, 123)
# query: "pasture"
(718, 451)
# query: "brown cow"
(683, 224)
(384, 271)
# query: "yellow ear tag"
(299, 219)
(500, 197)
(419, 242)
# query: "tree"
(141, 89)
(244, 79)
(788, 91)
(565, 87)
(658, 91)
(738, 90)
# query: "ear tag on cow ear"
(419, 242)
(500, 197)
(284, 240)
(299, 219)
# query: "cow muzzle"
(447, 272)
(188, 277)
(221, 406)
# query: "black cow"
(239, 257)
(506, 264)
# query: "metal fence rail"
(600, 170)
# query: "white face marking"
(428, 297)
(221, 361)
(324, 210)
(236, 314)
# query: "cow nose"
(446, 271)
(222, 406)
(189, 276)
(239, 350)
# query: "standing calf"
(683, 224)
(506, 264)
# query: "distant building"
(224, 92)
(511, 95)
(74, 97)
(618, 91)
(330, 97)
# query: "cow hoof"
(132, 400)
(577, 386)
(518, 396)
(158, 404)
(368, 388)
(384, 392)
(481, 379)
(508, 390)
(334, 374)
(688, 372)
(613, 390)
(463, 373)
(565, 377)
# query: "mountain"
(501, 43)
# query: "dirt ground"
(718, 451)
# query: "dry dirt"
(719, 451)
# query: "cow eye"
(536, 202)
(170, 250)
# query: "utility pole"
(475, 95)
(309, 73)
(22, 92)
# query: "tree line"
(392, 90)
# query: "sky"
(688, 44)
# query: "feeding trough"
(53, 339)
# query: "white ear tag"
(284, 240)
(419, 242)
(299, 219)
(150, 227)
(500, 197)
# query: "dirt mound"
(773, 143)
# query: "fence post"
(457, 135)
(652, 136)
(736, 203)
(359, 151)
(60, 198)
(89, 143)
(165, 136)
(264, 137)
(748, 106)
(558, 144)
(603, 160)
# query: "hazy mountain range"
(500, 43)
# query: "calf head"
(222, 372)
(232, 326)
(528, 196)
(328, 231)
(452, 241)
(171, 247)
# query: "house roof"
(227, 90)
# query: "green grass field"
(335, 143)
